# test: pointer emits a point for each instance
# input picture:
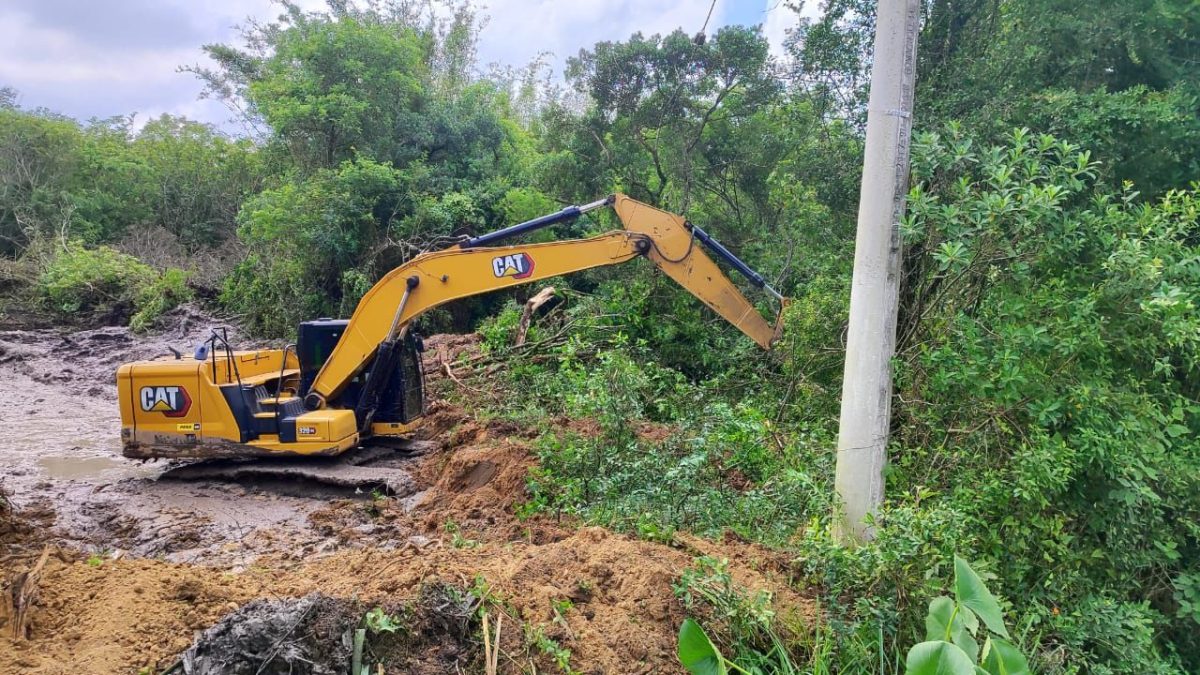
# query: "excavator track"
(383, 466)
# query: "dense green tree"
(198, 179)
(38, 158)
(309, 242)
(96, 182)
(661, 102)
(386, 143)
(1119, 75)
(1049, 343)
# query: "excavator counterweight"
(349, 380)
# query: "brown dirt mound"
(119, 616)
(478, 480)
(123, 615)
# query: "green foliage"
(379, 621)
(307, 238)
(97, 182)
(162, 294)
(81, 282)
(386, 143)
(696, 651)
(952, 632)
(744, 622)
(1058, 345)
(536, 638)
(88, 280)
(499, 329)
(1115, 75)
(653, 484)
(39, 154)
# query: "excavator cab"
(401, 384)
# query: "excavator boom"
(314, 401)
(433, 279)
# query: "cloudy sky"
(98, 58)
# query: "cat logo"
(517, 266)
(170, 401)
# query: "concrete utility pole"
(871, 341)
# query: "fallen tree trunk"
(21, 596)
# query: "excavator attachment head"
(673, 250)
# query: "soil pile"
(606, 598)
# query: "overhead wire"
(706, 19)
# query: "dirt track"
(142, 563)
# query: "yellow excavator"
(345, 382)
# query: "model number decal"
(170, 401)
(517, 266)
(306, 431)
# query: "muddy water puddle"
(73, 468)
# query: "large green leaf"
(697, 653)
(943, 623)
(1002, 658)
(938, 657)
(971, 593)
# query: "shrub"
(743, 622)
(161, 295)
(107, 284)
(84, 281)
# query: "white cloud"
(68, 56)
(781, 17)
(518, 30)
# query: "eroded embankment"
(138, 567)
(125, 615)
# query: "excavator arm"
(472, 267)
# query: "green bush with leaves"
(103, 282)
(1053, 330)
(953, 628)
(745, 622)
(161, 295)
(312, 244)
(80, 280)
(654, 485)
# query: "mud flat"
(61, 457)
(268, 574)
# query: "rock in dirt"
(311, 635)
